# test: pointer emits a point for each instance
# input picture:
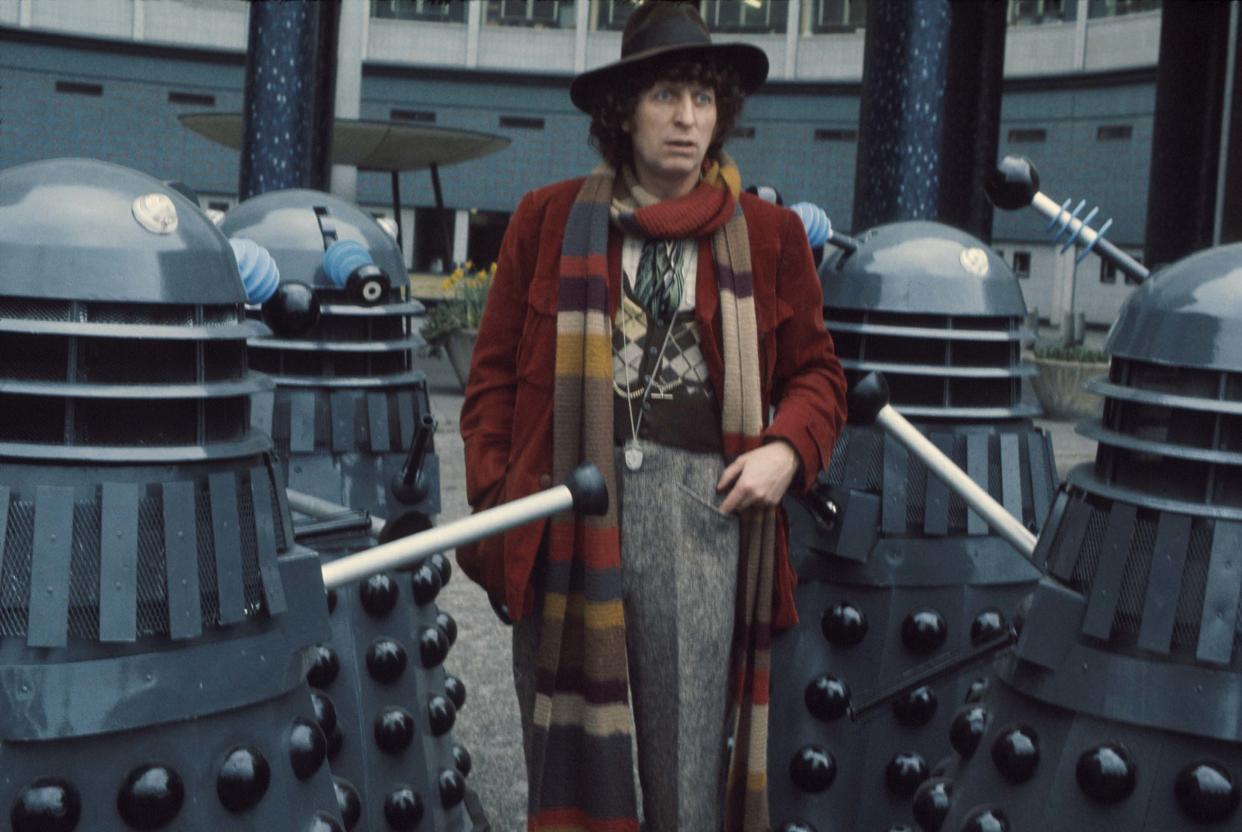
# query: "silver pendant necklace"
(632, 452)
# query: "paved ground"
(488, 726)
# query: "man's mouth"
(677, 144)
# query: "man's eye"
(704, 98)
(663, 94)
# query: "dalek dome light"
(85, 230)
(294, 224)
(1188, 314)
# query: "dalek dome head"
(122, 326)
(938, 312)
(339, 313)
(1173, 393)
(85, 230)
(1188, 314)
(323, 241)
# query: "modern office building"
(108, 79)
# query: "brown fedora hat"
(660, 28)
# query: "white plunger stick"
(992, 512)
(322, 509)
(406, 550)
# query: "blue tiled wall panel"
(134, 124)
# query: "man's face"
(672, 126)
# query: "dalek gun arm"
(869, 402)
(583, 492)
(1015, 185)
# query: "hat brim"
(751, 62)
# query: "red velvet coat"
(506, 420)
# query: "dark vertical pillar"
(972, 110)
(290, 86)
(1231, 204)
(1186, 135)
(930, 112)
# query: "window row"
(745, 16)
(1103, 133)
(739, 16)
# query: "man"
(647, 318)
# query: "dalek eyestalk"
(868, 402)
(1015, 184)
(410, 486)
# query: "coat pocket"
(536, 352)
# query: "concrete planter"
(1059, 387)
(460, 347)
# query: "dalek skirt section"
(905, 597)
(1119, 706)
(155, 614)
(349, 401)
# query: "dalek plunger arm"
(1015, 185)
(583, 492)
(868, 402)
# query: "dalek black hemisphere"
(155, 613)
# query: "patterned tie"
(658, 284)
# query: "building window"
(1108, 271)
(753, 16)
(837, 15)
(1116, 8)
(486, 231)
(543, 14)
(217, 205)
(1022, 264)
(1028, 134)
(742, 133)
(521, 122)
(195, 98)
(835, 134)
(79, 88)
(436, 11)
(1113, 132)
(611, 15)
(1025, 12)
(416, 116)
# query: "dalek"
(1118, 708)
(352, 424)
(155, 610)
(905, 596)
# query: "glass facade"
(542, 14)
(438, 11)
(825, 16)
(1027, 12)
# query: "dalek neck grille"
(959, 356)
(93, 381)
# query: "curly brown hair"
(616, 104)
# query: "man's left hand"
(759, 477)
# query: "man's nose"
(684, 112)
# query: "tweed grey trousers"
(679, 580)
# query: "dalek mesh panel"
(1118, 708)
(154, 611)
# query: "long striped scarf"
(581, 776)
